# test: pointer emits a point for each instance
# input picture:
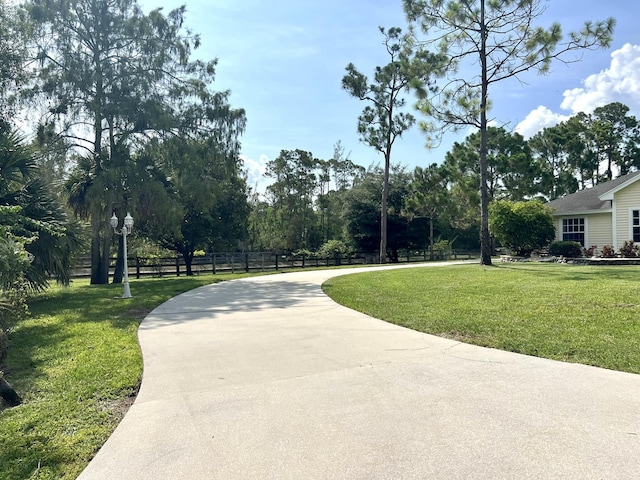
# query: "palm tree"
(37, 217)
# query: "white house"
(607, 214)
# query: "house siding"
(597, 228)
(626, 200)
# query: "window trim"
(634, 224)
(577, 222)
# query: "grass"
(77, 365)
(579, 314)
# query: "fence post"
(213, 263)
(246, 262)
(276, 261)
(303, 260)
(177, 266)
(137, 266)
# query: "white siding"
(626, 200)
(597, 228)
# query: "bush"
(522, 226)
(442, 249)
(607, 252)
(304, 252)
(333, 249)
(630, 249)
(589, 252)
(566, 249)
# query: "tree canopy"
(114, 77)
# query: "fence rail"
(235, 262)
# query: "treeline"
(312, 201)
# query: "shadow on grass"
(32, 348)
(41, 461)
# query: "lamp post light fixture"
(124, 231)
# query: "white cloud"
(255, 172)
(537, 119)
(618, 83)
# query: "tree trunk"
(98, 273)
(188, 261)
(485, 240)
(9, 394)
(431, 238)
(106, 252)
(383, 210)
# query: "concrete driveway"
(268, 378)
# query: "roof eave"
(609, 194)
(557, 213)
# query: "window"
(573, 230)
(635, 225)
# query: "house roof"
(594, 198)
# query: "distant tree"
(615, 134)
(382, 120)
(336, 176)
(500, 40)
(555, 150)
(292, 197)
(522, 226)
(362, 208)
(207, 198)
(587, 149)
(428, 198)
(511, 173)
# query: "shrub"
(443, 249)
(630, 249)
(607, 252)
(303, 252)
(333, 249)
(589, 252)
(521, 226)
(566, 249)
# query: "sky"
(284, 60)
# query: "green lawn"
(580, 314)
(76, 363)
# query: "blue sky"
(283, 61)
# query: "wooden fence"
(236, 262)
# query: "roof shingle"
(588, 200)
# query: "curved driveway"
(268, 378)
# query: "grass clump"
(77, 365)
(579, 314)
